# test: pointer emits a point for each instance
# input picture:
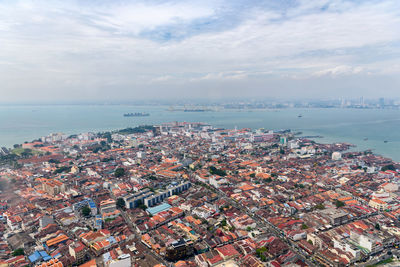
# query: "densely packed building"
(188, 194)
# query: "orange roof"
(378, 201)
(51, 263)
(176, 209)
(246, 187)
(351, 202)
(344, 198)
(107, 201)
(91, 263)
(263, 175)
(56, 240)
(360, 224)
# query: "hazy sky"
(98, 50)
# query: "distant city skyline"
(58, 51)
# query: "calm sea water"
(25, 123)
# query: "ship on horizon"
(137, 114)
(190, 109)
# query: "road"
(260, 221)
(137, 238)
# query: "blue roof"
(47, 258)
(91, 204)
(159, 208)
(34, 257)
(38, 255)
(43, 253)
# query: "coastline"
(23, 123)
(19, 150)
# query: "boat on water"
(194, 110)
(385, 141)
(190, 109)
(299, 116)
(137, 114)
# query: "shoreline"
(350, 147)
(19, 124)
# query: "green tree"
(389, 167)
(377, 227)
(120, 203)
(27, 153)
(86, 211)
(216, 171)
(108, 136)
(109, 220)
(141, 205)
(18, 252)
(119, 172)
(62, 169)
(339, 203)
(260, 253)
(223, 222)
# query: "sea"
(365, 128)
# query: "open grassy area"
(20, 150)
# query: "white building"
(371, 242)
(336, 156)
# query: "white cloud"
(339, 70)
(230, 75)
(163, 78)
(65, 45)
(137, 17)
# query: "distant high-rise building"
(381, 102)
(343, 103)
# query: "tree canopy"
(18, 252)
(120, 203)
(389, 167)
(86, 211)
(216, 171)
(339, 203)
(119, 172)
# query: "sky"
(97, 50)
